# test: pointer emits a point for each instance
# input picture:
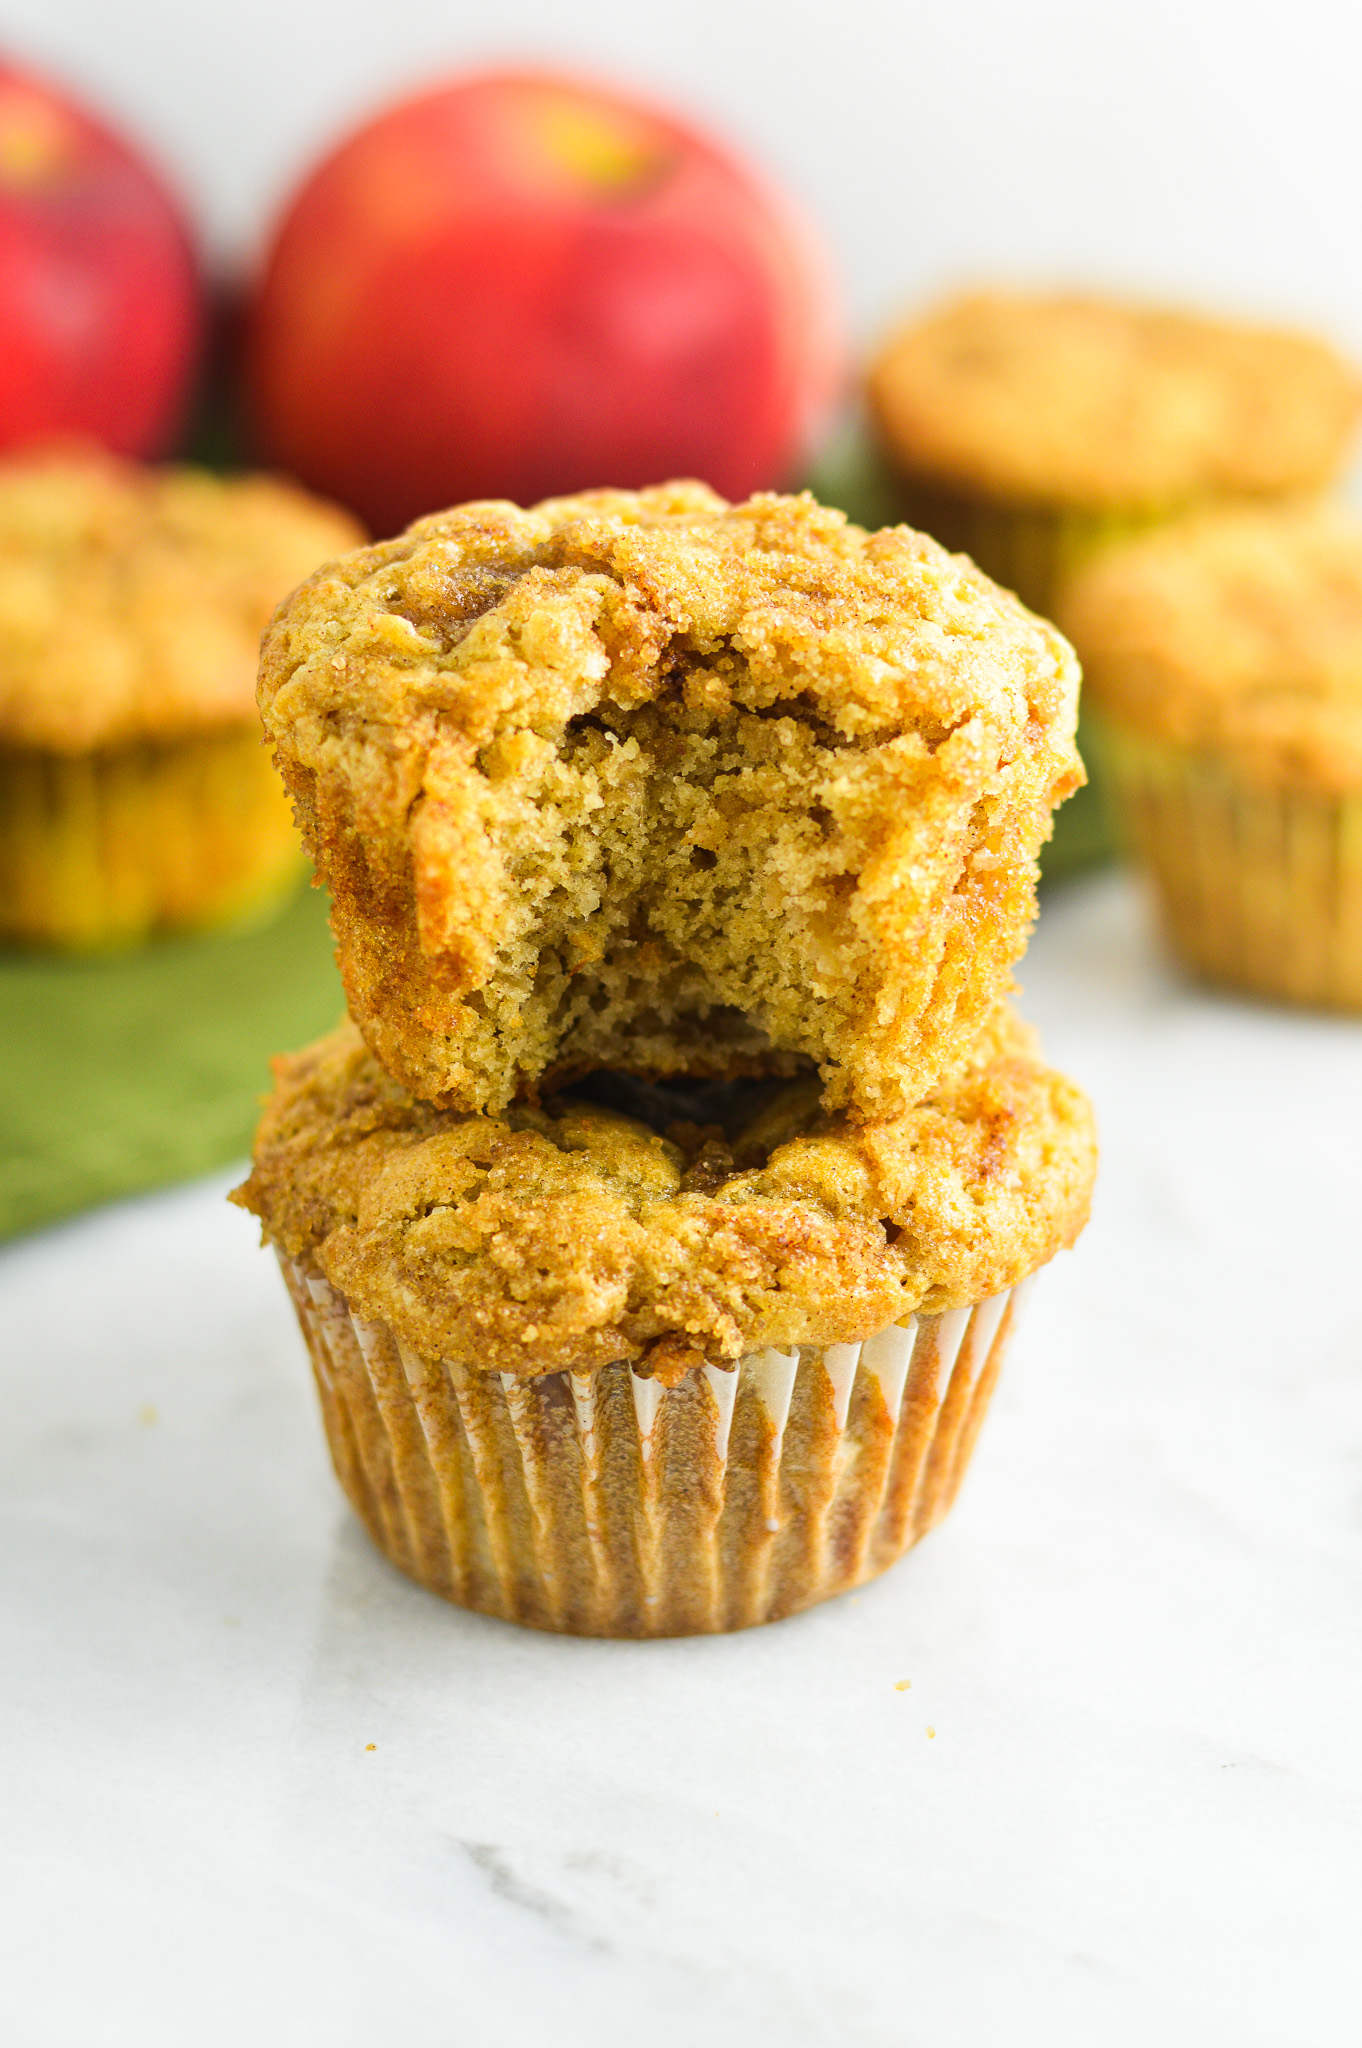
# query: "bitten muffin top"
(132, 600)
(651, 782)
(1238, 632)
(569, 1236)
(1066, 400)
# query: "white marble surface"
(1137, 1641)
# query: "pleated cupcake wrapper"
(1259, 888)
(103, 848)
(607, 1504)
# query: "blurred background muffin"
(1029, 429)
(136, 793)
(1224, 678)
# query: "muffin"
(598, 1377)
(136, 796)
(651, 783)
(1030, 429)
(1224, 662)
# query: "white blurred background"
(1210, 150)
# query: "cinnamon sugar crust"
(1238, 634)
(132, 600)
(1092, 403)
(644, 781)
(569, 1236)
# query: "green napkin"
(126, 1073)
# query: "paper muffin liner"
(607, 1504)
(1259, 888)
(108, 847)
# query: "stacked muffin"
(135, 796)
(657, 1223)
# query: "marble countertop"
(258, 1789)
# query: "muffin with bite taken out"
(647, 782)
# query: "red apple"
(99, 301)
(518, 285)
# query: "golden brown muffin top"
(132, 600)
(570, 1236)
(1068, 400)
(647, 781)
(1238, 632)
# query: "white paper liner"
(607, 1504)
(1259, 888)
